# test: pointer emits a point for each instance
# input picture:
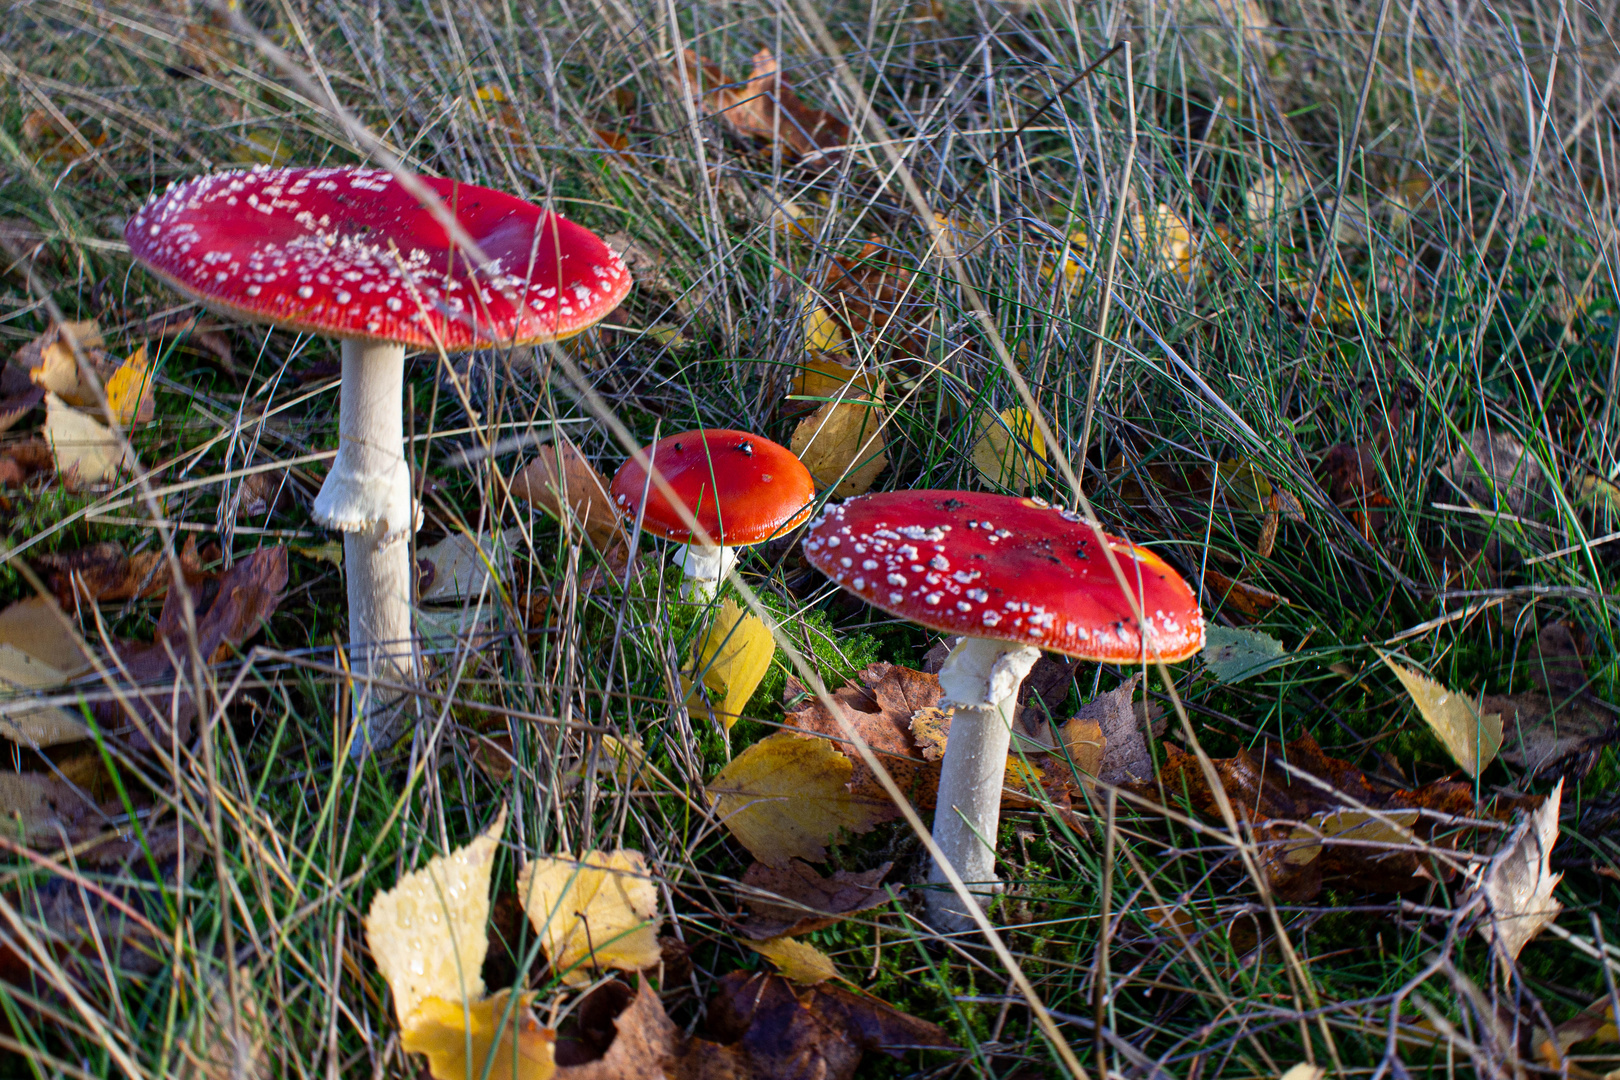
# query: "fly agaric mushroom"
(741, 488)
(349, 253)
(1013, 576)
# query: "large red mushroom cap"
(997, 566)
(741, 488)
(349, 253)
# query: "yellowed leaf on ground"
(1471, 739)
(1166, 241)
(1009, 451)
(38, 627)
(40, 725)
(85, 451)
(786, 796)
(129, 390)
(798, 961)
(597, 911)
(822, 334)
(827, 377)
(1071, 265)
(1518, 885)
(53, 366)
(730, 660)
(428, 934)
(504, 1036)
(841, 444)
(1304, 1071)
(459, 566)
(1393, 827)
(559, 467)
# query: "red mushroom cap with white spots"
(741, 488)
(349, 253)
(997, 566)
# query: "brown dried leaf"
(1518, 885)
(1350, 474)
(102, 573)
(762, 1027)
(228, 612)
(812, 902)
(787, 796)
(764, 107)
(870, 296)
(880, 706)
(559, 468)
(1113, 719)
(13, 407)
(1252, 600)
(618, 1034)
(1262, 790)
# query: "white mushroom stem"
(980, 678)
(367, 496)
(704, 567)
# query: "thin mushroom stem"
(980, 678)
(704, 569)
(367, 496)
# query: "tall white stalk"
(704, 569)
(367, 496)
(980, 678)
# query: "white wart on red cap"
(1001, 567)
(349, 253)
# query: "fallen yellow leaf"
(85, 451)
(821, 331)
(504, 1036)
(1010, 452)
(827, 377)
(129, 390)
(428, 934)
(42, 725)
(841, 443)
(731, 659)
(798, 961)
(1471, 739)
(786, 796)
(38, 628)
(597, 911)
(1167, 241)
(56, 369)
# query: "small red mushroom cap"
(741, 488)
(349, 253)
(997, 566)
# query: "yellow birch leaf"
(1393, 827)
(511, 1047)
(58, 368)
(731, 659)
(1304, 1071)
(821, 331)
(827, 377)
(1471, 739)
(841, 444)
(129, 390)
(786, 796)
(1010, 452)
(600, 910)
(85, 451)
(798, 961)
(428, 934)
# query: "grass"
(1451, 205)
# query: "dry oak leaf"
(86, 451)
(1470, 737)
(761, 1026)
(787, 796)
(1261, 789)
(802, 963)
(494, 1036)
(879, 705)
(792, 900)
(729, 661)
(764, 107)
(103, 573)
(597, 911)
(428, 934)
(227, 612)
(841, 443)
(1010, 452)
(559, 467)
(1518, 884)
(618, 1034)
